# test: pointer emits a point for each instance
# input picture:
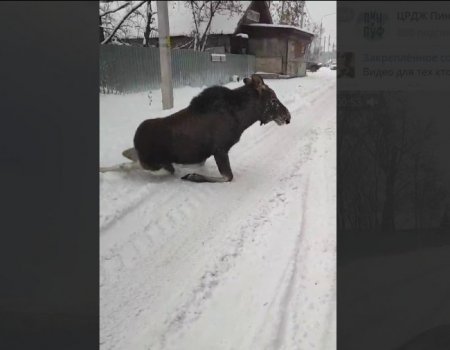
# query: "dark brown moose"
(212, 123)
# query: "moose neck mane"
(248, 101)
(242, 104)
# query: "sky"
(317, 9)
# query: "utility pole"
(329, 38)
(165, 58)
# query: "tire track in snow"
(305, 155)
(274, 205)
(172, 236)
(294, 331)
(190, 310)
(288, 292)
(108, 219)
(163, 222)
(133, 200)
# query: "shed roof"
(281, 26)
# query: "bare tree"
(101, 30)
(314, 48)
(289, 12)
(203, 13)
(118, 8)
(122, 20)
(108, 12)
(119, 17)
(148, 23)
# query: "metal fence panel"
(128, 69)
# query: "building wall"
(218, 43)
(269, 65)
(296, 64)
(270, 54)
(280, 55)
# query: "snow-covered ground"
(243, 265)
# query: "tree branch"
(115, 10)
(208, 26)
(187, 44)
(125, 16)
(148, 24)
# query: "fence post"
(165, 57)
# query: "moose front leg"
(223, 163)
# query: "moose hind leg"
(169, 167)
(223, 163)
(121, 167)
(131, 154)
(158, 169)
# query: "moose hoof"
(193, 178)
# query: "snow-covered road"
(243, 265)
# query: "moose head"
(271, 107)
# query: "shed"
(278, 48)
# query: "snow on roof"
(279, 26)
(242, 35)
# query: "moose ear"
(247, 81)
(258, 82)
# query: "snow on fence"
(128, 69)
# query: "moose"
(212, 123)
